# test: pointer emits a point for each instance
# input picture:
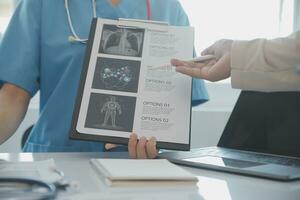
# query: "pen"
(195, 60)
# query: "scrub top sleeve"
(199, 91)
(20, 48)
(182, 18)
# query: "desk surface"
(212, 185)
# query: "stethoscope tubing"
(49, 195)
(75, 38)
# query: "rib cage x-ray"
(122, 41)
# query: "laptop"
(261, 138)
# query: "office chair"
(25, 136)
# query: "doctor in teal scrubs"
(36, 54)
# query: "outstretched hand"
(213, 70)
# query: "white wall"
(208, 120)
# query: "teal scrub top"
(35, 55)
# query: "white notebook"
(139, 172)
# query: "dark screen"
(265, 122)
(223, 162)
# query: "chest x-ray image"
(110, 112)
(122, 41)
(117, 75)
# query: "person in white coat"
(257, 65)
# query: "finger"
(141, 148)
(208, 65)
(109, 146)
(221, 70)
(213, 71)
(132, 146)
(152, 152)
(209, 50)
(195, 64)
(211, 62)
(177, 63)
(194, 72)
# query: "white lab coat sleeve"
(266, 65)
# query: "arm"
(19, 65)
(103, 108)
(259, 65)
(266, 65)
(119, 109)
(14, 104)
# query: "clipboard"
(134, 27)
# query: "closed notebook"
(139, 172)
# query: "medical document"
(127, 85)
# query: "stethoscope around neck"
(75, 38)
